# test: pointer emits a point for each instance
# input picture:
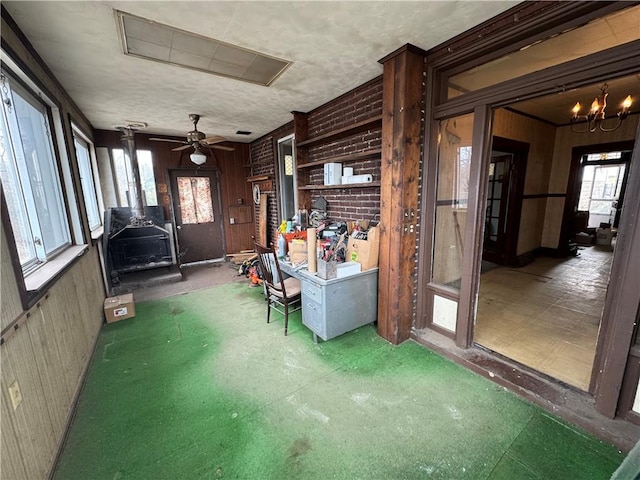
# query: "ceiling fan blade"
(220, 147)
(166, 140)
(184, 147)
(214, 139)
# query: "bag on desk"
(297, 251)
(365, 252)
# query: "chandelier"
(596, 118)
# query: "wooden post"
(402, 116)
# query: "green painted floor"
(199, 386)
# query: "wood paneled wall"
(540, 137)
(548, 167)
(234, 188)
(47, 355)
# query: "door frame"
(517, 174)
(622, 300)
(456, 56)
(575, 183)
(215, 174)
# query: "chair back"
(271, 273)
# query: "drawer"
(312, 291)
(312, 315)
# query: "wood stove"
(135, 238)
(138, 243)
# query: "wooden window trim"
(513, 29)
(598, 67)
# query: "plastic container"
(282, 246)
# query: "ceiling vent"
(144, 38)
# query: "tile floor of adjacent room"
(546, 315)
(198, 386)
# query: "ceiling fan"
(197, 140)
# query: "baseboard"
(529, 257)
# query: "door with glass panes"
(198, 215)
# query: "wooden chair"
(282, 296)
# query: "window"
(195, 200)
(30, 178)
(287, 167)
(87, 179)
(452, 191)
(123, 176)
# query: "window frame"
(32, 285)
(48, 166)
(96, 194)
(281, 167)
(122, 197)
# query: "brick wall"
(360, 104)
(357, 105)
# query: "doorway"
(602, 187)
(546, 313)
(198, 215)
(507, 169)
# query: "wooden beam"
(402, 116)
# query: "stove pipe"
(135, 184)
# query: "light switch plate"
(15, 394)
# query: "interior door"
(497, 208)
(198, 215)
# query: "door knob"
(179, 227)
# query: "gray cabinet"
(333, 307)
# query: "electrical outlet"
(15, 394)
(232, 220)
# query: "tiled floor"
(546, 315)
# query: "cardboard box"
(119, 308)
(297, 251)
(604, 236)
(365, 252)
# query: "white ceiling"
(334, 47)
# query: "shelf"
(353, 157)
(257, 178)
(342, 132)
(345, 186)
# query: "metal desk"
(333, 307)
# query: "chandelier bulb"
(596, 117)
(576, 109)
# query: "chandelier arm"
(610, 129)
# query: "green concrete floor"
(199, 386)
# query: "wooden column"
(402, 105)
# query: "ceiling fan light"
(198, 158)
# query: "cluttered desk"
(338, 305)
(338, 272)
